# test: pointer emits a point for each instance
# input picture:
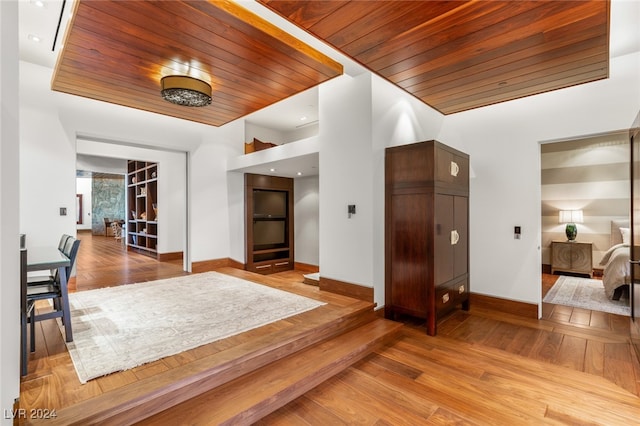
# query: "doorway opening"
(589, 176)
(115, 191)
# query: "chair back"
(71, 251)
(63, 241)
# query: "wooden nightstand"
(574, 257)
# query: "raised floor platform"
(278, 362)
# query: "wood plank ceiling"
(117, 52)
(460, 55)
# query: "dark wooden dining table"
(46, 258)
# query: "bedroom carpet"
(585, 293)
(119, 328)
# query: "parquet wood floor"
(572, 367)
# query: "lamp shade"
(570, 216)
(186, 91)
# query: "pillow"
(626, 235)
(616, 235)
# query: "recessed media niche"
(269, 223)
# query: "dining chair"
(63, 241)
(39, 278)
(107, 225)
(26, 307)
(51, 290)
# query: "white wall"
(101, 164)
(503, 142)
(83, 186)
(263, 134)
(266, 134)
(216, 226)
(397, 119)
(346, 172)
(306, 195)
(304, 132)
(47, 178)
(9, 219)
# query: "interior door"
(634, 290)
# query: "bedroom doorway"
(584, 186)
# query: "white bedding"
(616, 268)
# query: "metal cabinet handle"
(282, 263)
(455, 237)
(445, 298)
(454, 169)
(461, 289)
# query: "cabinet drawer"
(461, 291)
(451, 295)
(266, 268)
(282, 265)
(445, 299)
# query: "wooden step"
(146, 397)
(253, 396)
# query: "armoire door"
(461, 226)
(410, 218)
(451, 237)
(444, 238)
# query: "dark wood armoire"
(426, 231)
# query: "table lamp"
(571, 217)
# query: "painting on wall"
(108, 201)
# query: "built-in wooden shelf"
(269, 223)
(142, 196)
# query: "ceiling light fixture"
(34, 38)
(186, 91)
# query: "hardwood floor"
(571, 367)
(422, 380)
(103, 261)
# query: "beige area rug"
(585, 293)
(118, 328)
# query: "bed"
(615, 277)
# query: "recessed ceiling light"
(304, 117)
(299, 173)
(34, 38)
(38, 3)
(272, 170)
